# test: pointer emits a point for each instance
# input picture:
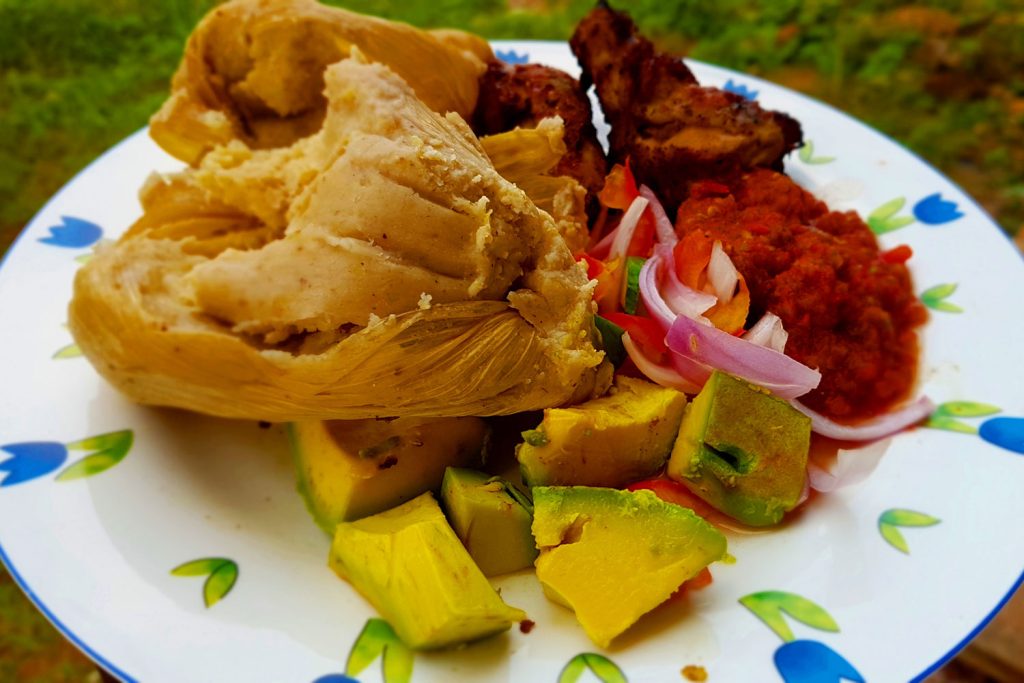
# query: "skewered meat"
(672, 129)
(522, 95)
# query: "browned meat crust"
(521, 95)
(673, 130)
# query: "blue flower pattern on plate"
(34, 459)
(934, 210)
(739, 89)
(1005, 432)
(512, 57)
(797, 661)
(73, 233)
(31, 460)
(808, 661)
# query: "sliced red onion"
(651, 297)
(806, 492)
(659, 374)
(765, 367)
(678, 299)
(627, 226)
(693, 372)
(722, 274)
(690, 371)
(685, 300)
(851, 466)
(601, 249)
(875, 428)
(663, 226)
(768, 331)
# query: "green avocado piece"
(491, 518)
(349, 469)
(612, 555)
(610, 441)
(412, 567)
(742, 450)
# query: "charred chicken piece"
(522, 95)
(673, 130)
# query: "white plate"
(96, 553)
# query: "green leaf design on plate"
(69, 351)
(939, 291)
(889, 209)
(884, 218)
(203, 567)
(945, 415)
(378, 639)
(944, 307)
(602, 667)
(771, 606)
(935, 298)
(88, 466)
(221, 576)
(108, 450)
(966, 409)
(84, 258)
(807, 151)
(806, 154)
(950, 424)
(890, 520)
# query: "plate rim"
(112, 669)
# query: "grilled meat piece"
(521, 95)
(672, 129)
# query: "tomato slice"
(642, 243)
(645, 333)
(609, 278)
(594, 266)
(619, 189)
(692, 254)
(673, 492)
(897, 255)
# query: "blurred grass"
(945, 78)
(30, 649)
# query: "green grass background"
(945, 78)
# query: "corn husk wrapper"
(379, 267)
(526, 157)
(253, 71)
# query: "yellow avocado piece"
(612, 556)
(491, 518)
(412, 567)
(349, 469)
(610, 441)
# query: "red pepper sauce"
(850, 309)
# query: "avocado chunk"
(612, 556)
(742, 450)
(411, 566)
(492, 519)
(610, 441)
(349, 469)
